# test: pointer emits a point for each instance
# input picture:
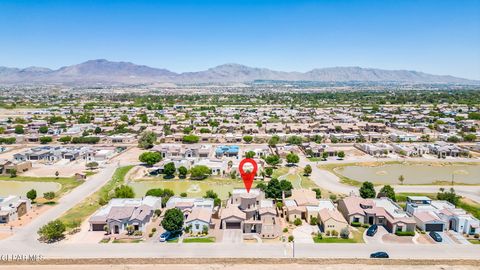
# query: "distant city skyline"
(437, 37)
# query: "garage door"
(232, 225)
(434, 227)
(98, 227)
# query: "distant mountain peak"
(111, 72)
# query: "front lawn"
(474, 241)
(199, 240)
(357, 238)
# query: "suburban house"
(227, 151)
(251, 213)
(120, 213)
(296, 205)
(7, 166)
(197, 211)
(13, 207)
(436, 215)
(328, 217)
(444, 149)
(381, 211)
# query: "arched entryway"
(116, 229)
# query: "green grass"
(199, 240)
(74, 216)
(471, 207)
(174, 240)
(128, 241)
(357, 238)
(66, 183)
(315, 159)
(474, 241)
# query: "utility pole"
(293, 248)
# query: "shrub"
(158, 212)
(365, 225)
(313, 221)
(137, 233)
(356, 224)
(400, 233)
(334, 233)
(52, 231)
(150, 235)
(49, 195)
(297, 222)
(285, 230)
(344, 233)
(291, 238)
(476, 236)
(327, 233)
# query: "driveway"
(445, 239)
(377, 238)
(232, 236)
(458, 238)
(303, 233)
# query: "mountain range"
(108, 72)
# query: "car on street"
(165, 236)
(436, 236)
(372, 230)
(379, 255)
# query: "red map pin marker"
(248, 176)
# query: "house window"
(197, 226)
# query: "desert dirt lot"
(229, 266)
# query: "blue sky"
(440, 37)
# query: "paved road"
(264, 250)
(331, 182)
(27, 235)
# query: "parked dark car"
(380, 254)
(435, 236)
(372, 230)
(165, 236)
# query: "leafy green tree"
(150, 158)
(32, 194)
(272, 160)
(250, 154)
(49, 195)
(212, 195)
(98, 130)
(449, 196)
(190, 138)
(200, 172)
(92, 165)
(65, 139)
(173, 220)
(388, 192)
(43, 129)
(367, 190)
(247, 138)
(324, 156)
(274, 140)
(307, 170)
(297, 140)
(341, 155)
(147, 140)
(292, 158)
(13, 173)
(124, 191)
(19, 129)
(183, 194)
(169, 169)
(182, 171)
(45, 139)
(318, 193)
(52, 231)
(269, 171)
(469, 137)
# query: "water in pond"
(192, 188)
(413, 173)
(21, 188)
